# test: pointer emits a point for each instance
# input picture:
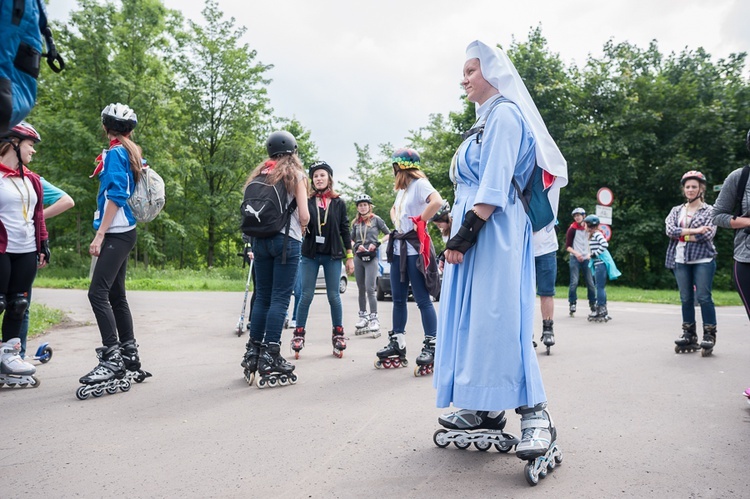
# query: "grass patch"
(42, 318)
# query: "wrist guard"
(466, 236)
(45, 250)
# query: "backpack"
(265, 211)
(535, 194)
(148, 197)
(22, 24)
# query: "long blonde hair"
(404, 178)
(286, 168)
(135, 155)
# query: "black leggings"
(17, 273)
(742, 281)
(107, 289)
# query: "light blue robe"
(485, 359)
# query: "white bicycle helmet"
(119, 118)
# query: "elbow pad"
(466, 237)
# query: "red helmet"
(693, 174)
(24, 131)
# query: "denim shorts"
(546, 273)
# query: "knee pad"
(18, 303)
(3, 303)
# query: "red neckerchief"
(10, 172)
(322, 196)
(100, 162)
(577, 226)
(364, 219)
(268, 166)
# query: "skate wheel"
(249, 378)
(98, 392)
(81, 393)
(296, 355)
(260, 382)
(111, 389)
(283, 380)
(706, 353)
(272, 382)
(676, 349)
(125, 386)
(482, 445)
(551, 465)
(439, 438)
(461, 444)
(46, 355)
(543, 472)
(548, 350)
(404, 362)
(528, 472)
(503, 447)
(558, 458)
(417, 372)
(387, 363)
(293, 378)
(396, 362)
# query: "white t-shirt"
(545, 240)
(15, 195)
(410, 202)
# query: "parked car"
(383, 281)
(320, 282)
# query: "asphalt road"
(634, 419)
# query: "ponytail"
(135, 156)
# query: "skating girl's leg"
(400, 292)
(704, 279)
(588, 278)
(601, 282)
(284, 276)
(371, 276)
(308, 269)
(113, 256)
(263, 268)
(575, 268)
(332, 274)
(742, 281)
(21, 270)
(422, 297)
(360, 272)
(117, 298)
(685, 281)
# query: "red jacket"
(39, 225)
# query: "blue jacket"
(116, 183)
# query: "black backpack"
(265, 211)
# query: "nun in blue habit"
(485, 361)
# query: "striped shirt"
(597, 243)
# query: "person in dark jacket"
(326, 243)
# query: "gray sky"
(368, 72)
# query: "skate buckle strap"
(535, 422)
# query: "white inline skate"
(538, 444)
(14, 371)
(481, 428)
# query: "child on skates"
(602, 266)
(366, 230)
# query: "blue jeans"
(309, 274)
(274, 282)
(297, 295)
(576, 268)
(700, 276)
(600, 271)
(400, 292)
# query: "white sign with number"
(604, 213)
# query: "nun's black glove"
(466, 237)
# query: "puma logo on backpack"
(271, 201)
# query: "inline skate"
(132, 362)
(688, 342)
(538, 445)
(108, 375)
(394, 353)
(572, 309)
(362, 326)
(14, 371)
(250, 360)
(298, 341)
(374, 325)
(548, 334)
(426, 359)
(339, 341)
(273, 369)
(709, 339)
(599, 314)
(482, 428)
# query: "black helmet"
(119, 118)
(362, 198)
(592, 220)
(444, 211)
(280, 142)
(317, 166)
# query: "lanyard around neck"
(27, 206)
(325, 216)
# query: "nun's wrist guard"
(466, 236)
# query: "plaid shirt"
(699, 246)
